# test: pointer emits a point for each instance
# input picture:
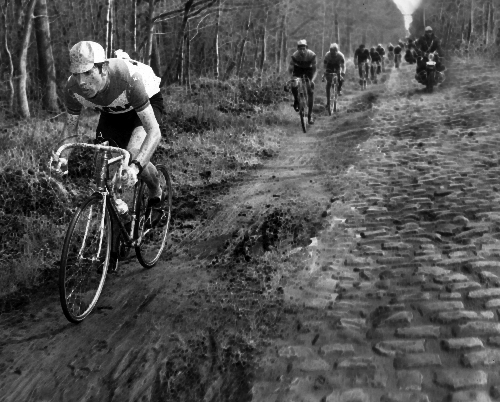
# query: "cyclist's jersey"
(428, 45)
(130, 85)
(362, 55)
(376, 58)
(380, 50)
(303, 63)
(333, 62)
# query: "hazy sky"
(407, 6)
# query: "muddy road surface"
(361, 263)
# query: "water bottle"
(121, 206)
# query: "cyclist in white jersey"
(127, 94)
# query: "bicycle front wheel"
(153, 222)
(85, 259)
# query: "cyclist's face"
(91, 81)
(334, 51)
(302, 49)
(428, 33)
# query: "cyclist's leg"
(295, 93)
(339, 81)
(149, 174)
(328, 88)
(310, 99)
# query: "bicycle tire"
(302, 112)
(430, 82)
(153, 230)
(76, 302)
(335, 96)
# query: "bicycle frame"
(107, 190)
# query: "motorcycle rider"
(428, 43)
(334, 62)
(375, 67)
(303, 62)
(362, 56)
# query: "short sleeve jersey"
(375, 56)
(333, 62)
(130, 86)
(308, 61)
(362, 55)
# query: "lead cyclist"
(127, 95)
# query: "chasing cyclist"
(381, 51)
(375, 65)
(362, 59)
(334, 63)
(303, 62)
(127, 95)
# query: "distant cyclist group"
(369, 63)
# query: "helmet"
(334, 46)
(302, 42)
(372, 49)
(428, 29)
(380, 45)
(84, 55)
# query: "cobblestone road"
(401, 292)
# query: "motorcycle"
(430, 77)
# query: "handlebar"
(124, 157)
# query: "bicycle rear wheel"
(335, 96)
(85, 259)
(153, 223)
(302, 112)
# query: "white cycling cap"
(334, 46)
(120, 54)
(84, 55)
(428, 29)
(302, 42)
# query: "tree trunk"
(216, 42)
(263, 50)
(134, 26)
(279, 34)
(325, 3)
(47, 72)
(496, 16)
(8, 56)
(187, 61)
(169, 76)
(470, 29)
(109, 27)
(21, 73)
(239, 64)
(337, 26)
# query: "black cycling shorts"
(299, 72)
(119, 127)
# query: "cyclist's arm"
(153, 135)
(291, 67)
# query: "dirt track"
(189, 329)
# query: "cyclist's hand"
(58, 165)
(129, 175)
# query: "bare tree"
(8, 56)
(109, 27)
(21, 73)
(216, 41)
(47, 70)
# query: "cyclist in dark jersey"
(127, 95)
(334, 63)
(381, 51)
(362, 58)
(375, 65)
(303, 62)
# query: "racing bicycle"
(302, 88)
(332, 82)
(89, 245)
(363, 69)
